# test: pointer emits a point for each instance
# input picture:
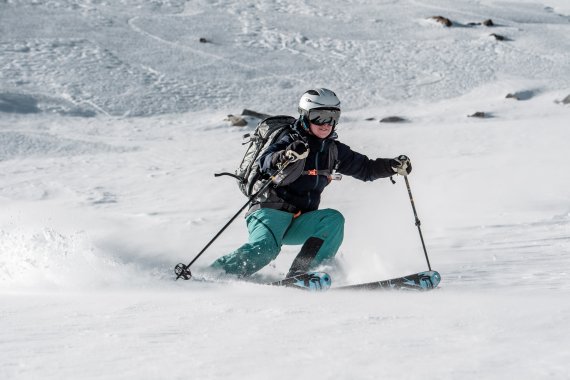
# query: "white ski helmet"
(318, 98)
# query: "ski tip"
(326, 280)
(430, 279)
(436, 278)
(320, 283)
(314, 281)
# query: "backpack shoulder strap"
(331, 165)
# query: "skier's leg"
(305, 257)
(321, 231)
(266, 229)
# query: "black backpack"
(249, 177)
(266, 133)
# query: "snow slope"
(112, 125)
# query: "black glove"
(295, 151)
(401, 165)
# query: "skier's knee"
(334, 217)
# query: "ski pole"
(182, 270)
(418, 223)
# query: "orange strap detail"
(297, 214)
(312, 172)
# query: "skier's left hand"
(401, 165)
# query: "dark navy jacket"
(304, 194)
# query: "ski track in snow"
(452, 61)
(112, 125)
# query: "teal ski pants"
(269, 229)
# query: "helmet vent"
(312, 92)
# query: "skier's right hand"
(295, 151)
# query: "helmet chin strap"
(305, 124)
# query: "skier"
(288, 214)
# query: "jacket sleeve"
(265, 157)
(361, 167)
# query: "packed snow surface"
(112, 127)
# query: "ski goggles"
(321, 116)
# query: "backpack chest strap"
(325, 172)
(331, 164)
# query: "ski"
(311, 281)
(421, 281)
(321, 281)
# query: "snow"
(112, 125)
